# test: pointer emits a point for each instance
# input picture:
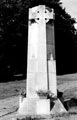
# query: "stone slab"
(50, 51)
(43, 107)
(34, 107)
(36, 66)
(27, 107)
(58, 108)
(50, 34)
(53, 83)
(41, 82)
(36, 82)
(32, 52)
(32, 37)
(52, 66)
(42, 66)
(32, 66)
(42, 51)
(31, 85)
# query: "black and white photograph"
(38, 59)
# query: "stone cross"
(41, 14)
(41, 67)
(37, 73)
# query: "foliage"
(14, 33)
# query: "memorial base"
(58, 108)
(34, 107)
(30, 106)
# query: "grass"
(66, 83)
(11, 88)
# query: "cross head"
(41, 13)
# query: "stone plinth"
(58, 108)
(34, 107)
(43, 107)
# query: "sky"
(71, 8)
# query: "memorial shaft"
(40, 73)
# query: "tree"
(14, 34)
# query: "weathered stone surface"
(52, 77)
(37, 58)
(52, 66)
(58, 108)
(43, 107)
(34, 107)
(27, 107)
(50, 41)
(41, 65)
